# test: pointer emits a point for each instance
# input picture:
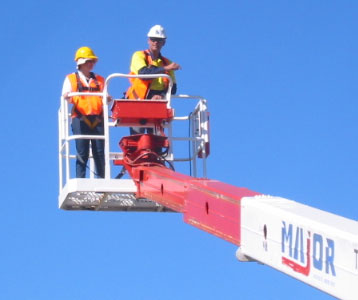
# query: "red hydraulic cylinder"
(207, 204)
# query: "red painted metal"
(144, 149)
(207, 204)
(134, 113)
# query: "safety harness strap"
(81, 88)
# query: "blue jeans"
(82, 146)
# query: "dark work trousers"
(82, 146)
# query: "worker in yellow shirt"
(149, 62)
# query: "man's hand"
(172, 67)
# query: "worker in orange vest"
(87, 111)
(148, 62)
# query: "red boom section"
(207, 204)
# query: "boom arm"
(210, 205)
(316, 247)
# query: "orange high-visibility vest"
(139, 88)
(86, 105)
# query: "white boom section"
(316, 247)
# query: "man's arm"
(159, 70)
(151, 70)
(156, 70)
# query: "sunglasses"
(153, 39)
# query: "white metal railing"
(170, 86)
(198, 137)
(199, 133)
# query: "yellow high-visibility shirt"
(139, 61)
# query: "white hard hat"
(157, 31)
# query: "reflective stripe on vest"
(139, 88)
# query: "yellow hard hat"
(85, 52)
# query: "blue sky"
(280, 78)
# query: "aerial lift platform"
(110, 193)
(316, 247)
